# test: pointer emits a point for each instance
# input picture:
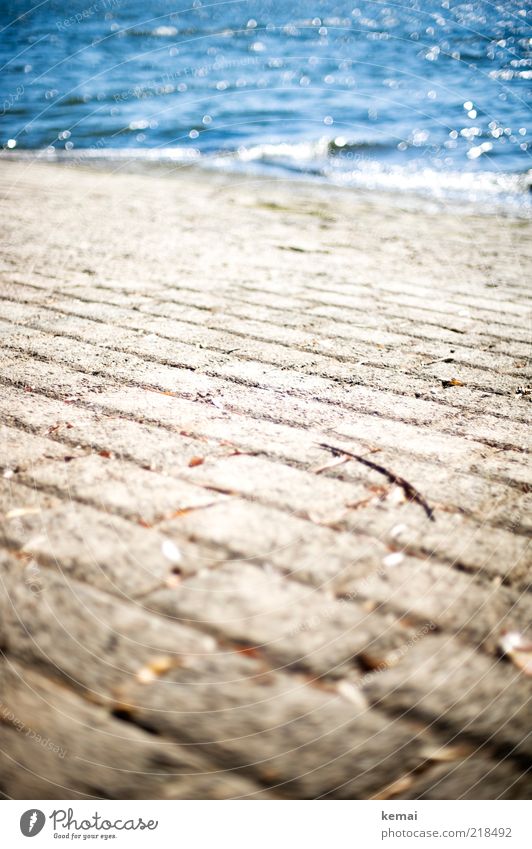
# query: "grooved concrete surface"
(200, 600)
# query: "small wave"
(364, 171)
(339, 146)
(303, 152)
(104, 154)
(161, 32)
(476, 186)
(489, 191)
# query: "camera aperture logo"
(32, 822)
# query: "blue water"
(427, 97)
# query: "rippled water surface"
(430, 97)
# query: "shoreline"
(491, 205)
(340, 209)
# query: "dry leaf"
(395, 788)
(157, 666)
(356, 505)
(55, 427)
(196, 461)
(248, 651)
(270, 776)
(329, 520)
(143, 523)
(184, 510)
(337, 461)
(447, 754)
(375, 664)
(22, 511)
(160, 665)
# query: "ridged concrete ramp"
(265, 498)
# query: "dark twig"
(409, 490)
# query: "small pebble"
(171, 551)
(393, 559)
(351, 693)
(397, 530)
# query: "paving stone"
(124, 488)
(295, 626)
(456, 685)
(453, 600)
(102, 549)
(90, 640)
(471, 776)
(56, 745)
